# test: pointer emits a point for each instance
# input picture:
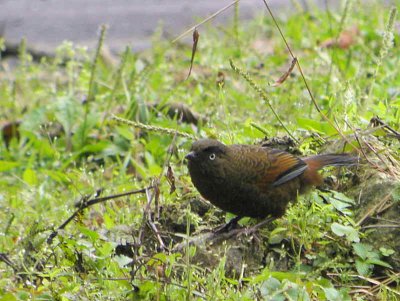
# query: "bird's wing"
(283, 168)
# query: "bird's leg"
(253, 229)
(232, 224)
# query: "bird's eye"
(212, 156)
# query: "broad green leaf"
(107, 249)
(340, 206)
(45, 149)
(29, 176)
(362, 267)
(159, 257)
(348, 231)
(93, 235)
(57, 176)
(94, 148)
(296, 292)
(122, 260)
(82, 132)
(269, 286)
(332, 294)
(362, 250)
(8, 165)
(266, 274)
(33, 119)
(126, 132)
(67, 112)
(341, 197)
(8, 297)
(375, 261)
(396, 193)
(276, 235)
(318, 126)
(108, 221)
(140, 169)
(386, 252)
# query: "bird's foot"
(229, 226)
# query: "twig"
(154, 195)
(215, 237)
(362, 148)
(85, 204)
(361, 290)
(384, 207)
(145, 218)
(374, 208)
(377, 122)
(4, 258)
(379, 157)
(386, 282)
(204, 21)
(147, 215)
(362, 151)
(380, 226)
(386, 220)
(258, 127)
(376, 166)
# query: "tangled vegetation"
(96, 202)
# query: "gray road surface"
(47, 23)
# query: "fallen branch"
(86, 202)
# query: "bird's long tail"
(314, 163)
(319, 161)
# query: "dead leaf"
(196, 36)
(9, 130)
(346, 39)
(286, 74)
(220, 79)
(171, 179)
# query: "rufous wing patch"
(284, 167)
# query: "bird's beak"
(190, 156)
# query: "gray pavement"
(47, 23)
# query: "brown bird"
(254, 181)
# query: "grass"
(67, 148)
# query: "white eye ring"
(212, 156)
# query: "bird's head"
(206, 156)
